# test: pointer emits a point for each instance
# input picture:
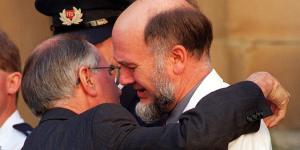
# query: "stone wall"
(255, 36)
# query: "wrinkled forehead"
(128, 42)
(130, 51)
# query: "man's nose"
(126, 76)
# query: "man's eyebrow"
(127, 64)
(124, 63)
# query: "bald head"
(146, 9)
(139, 13)
(165, 23)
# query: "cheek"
(145, 79)
(3, 95)
(108, 81)
(111, 86)
(2, 87)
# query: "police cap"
(92, 19)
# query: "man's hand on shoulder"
(274, 93)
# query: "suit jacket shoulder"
(94, 129)
(217, 119)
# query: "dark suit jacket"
(217, 119)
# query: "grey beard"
(166, 95)
(149, 113)
(163, 85)
(155, 111)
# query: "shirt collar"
(58, 114)
(211, 82)
(177, 111)
(14, 118)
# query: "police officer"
(13, 130)
(92, 20)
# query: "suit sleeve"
(217, 119)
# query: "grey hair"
(51, 72)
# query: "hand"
(274, 93)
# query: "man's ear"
(179, 58)
(87, 81)
(13, 82)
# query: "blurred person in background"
(13, 129)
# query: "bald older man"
(166, 57)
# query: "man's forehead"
(122, 58)
(130, 57)
(128, 50)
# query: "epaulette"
(25, 128)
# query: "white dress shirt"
(259, 140)
(10, 138)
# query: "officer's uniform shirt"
(13, 132)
